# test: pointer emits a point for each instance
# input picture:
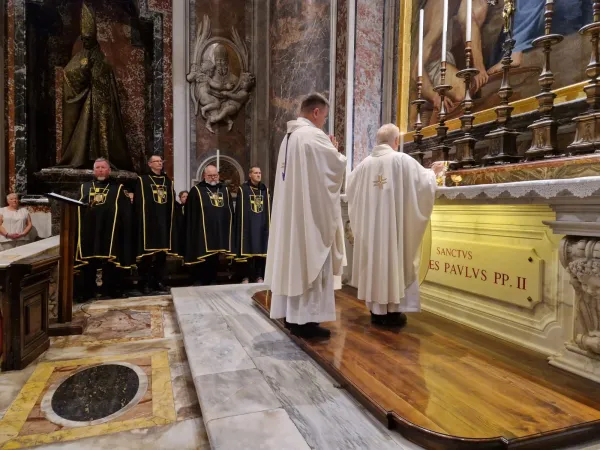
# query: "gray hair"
(387, 134)
(102, 160)
(12, 193)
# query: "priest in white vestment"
(306, 241)
(390, 200)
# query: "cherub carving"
(233, 103)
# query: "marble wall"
(300, 60)
(368, 75)
(135, 36)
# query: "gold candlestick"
(442, 130)
(544, 130)
(503, 145)
(587, 132)
(418, 126)
(465, 146)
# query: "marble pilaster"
(17, 77)
(341, 72)
(368, 75)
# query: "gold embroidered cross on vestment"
(379, 182)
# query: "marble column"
(300, 60)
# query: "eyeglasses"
(213, 176)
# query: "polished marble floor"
(258, 390)
(161, 409)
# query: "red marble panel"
(223, 15)
(341, 71)
(165, 5)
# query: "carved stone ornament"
(581, 258)
(221, 82)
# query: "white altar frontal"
(520, 261)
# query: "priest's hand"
(438, 168)
(334, 142)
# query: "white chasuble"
(390, 200)
(306, 240)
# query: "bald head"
(388, 134)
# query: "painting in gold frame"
(569, 59)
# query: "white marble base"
(578, 361)
(8, 257)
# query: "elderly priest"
(390, 200)
(306, 244)
(102, 240)
(209, 225)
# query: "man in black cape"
(103, 244)
(252, 222)
(209, 225)
(154, 206)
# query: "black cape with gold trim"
(209, 222)
(154, 206)
(252, 221)
(104, 227)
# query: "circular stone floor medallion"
(95, 394)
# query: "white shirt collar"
(382, 149)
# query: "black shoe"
(397, 319)
(287, 325)
(377, 319)
(310, 330)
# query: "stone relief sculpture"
(221, 83)
(581, 258)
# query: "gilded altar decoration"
(456, 179)
(92, 122)
(220, 77)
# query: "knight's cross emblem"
(256, 203)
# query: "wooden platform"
(446, 386)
